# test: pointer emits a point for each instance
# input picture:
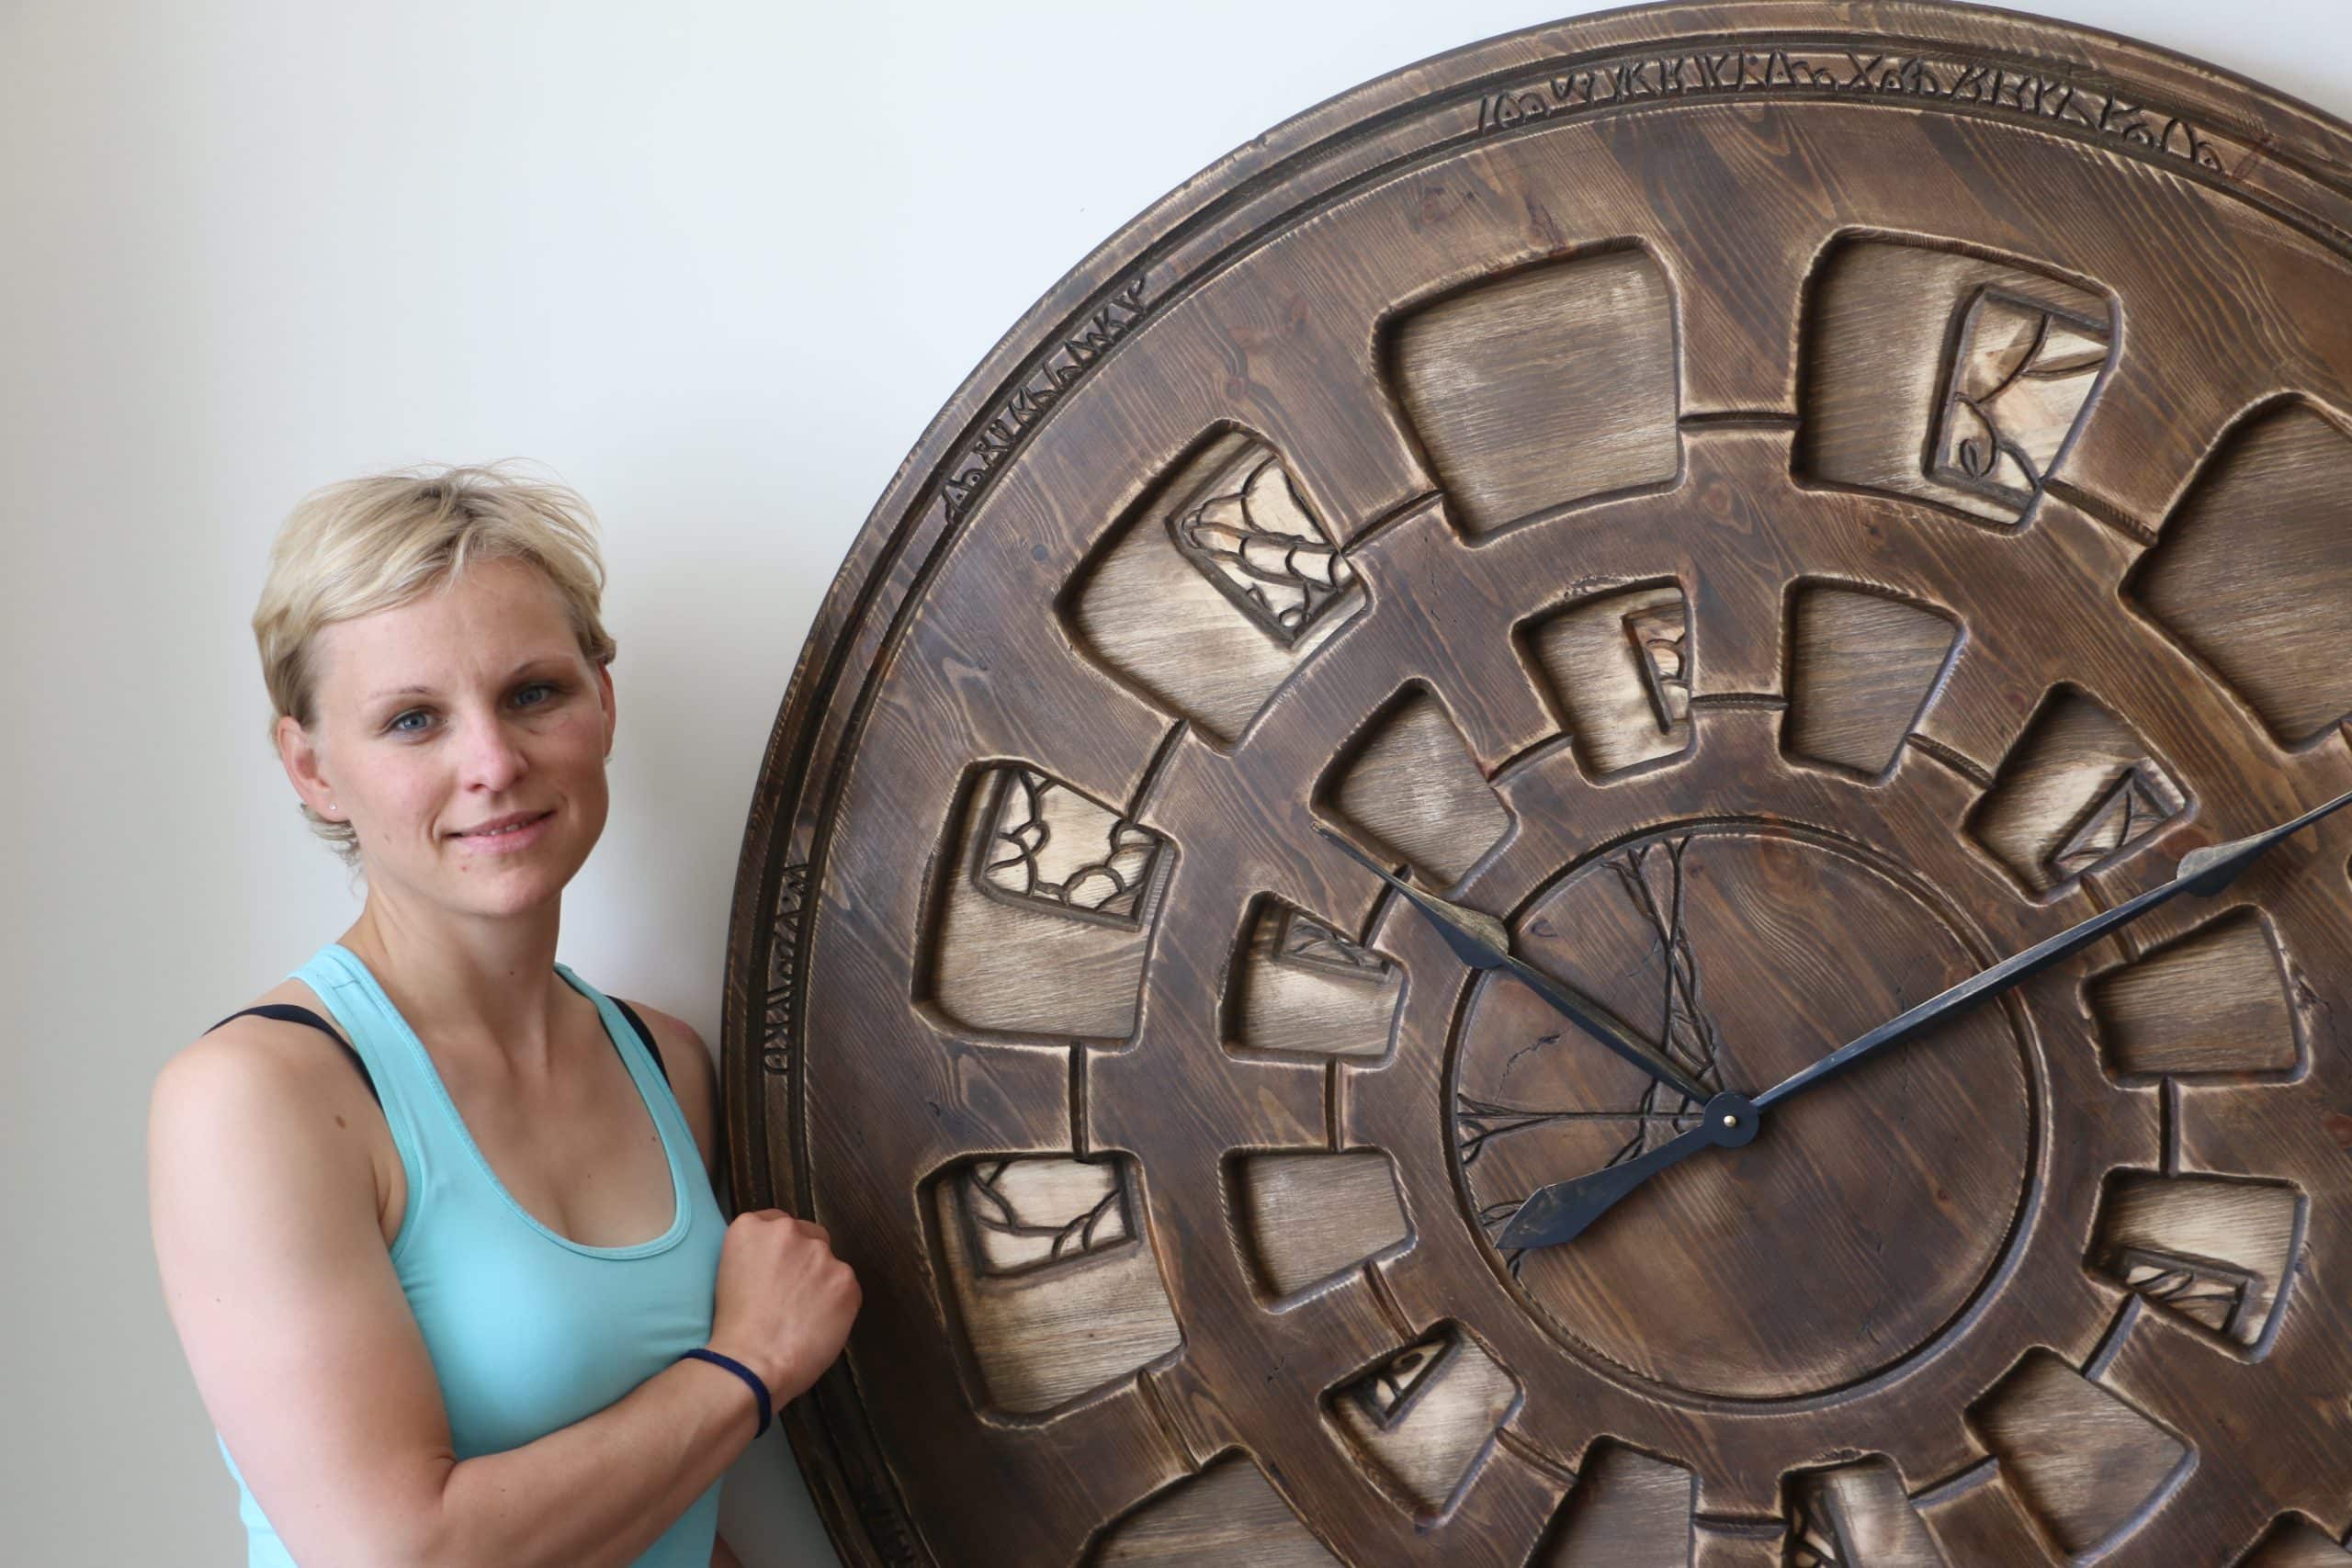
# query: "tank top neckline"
(681, 1214)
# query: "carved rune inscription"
(776, 1033)
(1949, 78)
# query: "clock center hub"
(1866, 1212)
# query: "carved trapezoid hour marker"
(1053, 1285)
(1052, 846)
(1300, 986)
(1862, 667)
(2212, 1001)
(2132, 807)
(1227, 1513)
(1412, 785)
(1044, 922)
(2254, 571)
(2078, 791)
(1627, 1510)
(2296, 1542)
(1216, 587)
(2211, 1250)
(1254, 539)
(1619, 668)
(1544, 388)
(1856, 1516)
(1946, 376)
(2020, 374)
(2041, 1420)
(1426, 1417)
(1026, 1214)
(1303, 1219)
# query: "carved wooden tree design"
(1782, 506)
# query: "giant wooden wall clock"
(1782, 506)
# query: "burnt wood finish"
(1783, 503)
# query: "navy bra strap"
(288, 1012)
(645, 1034)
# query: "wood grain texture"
(2215, 1000)
(1545, 388)
(1810, 434)
(1305, 1218)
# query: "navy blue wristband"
(759, 1389)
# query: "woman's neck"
(466, 982)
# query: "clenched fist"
(783, 1301)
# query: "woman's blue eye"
(540, 686)
(401, 721)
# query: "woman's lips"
(508, 840)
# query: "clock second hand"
(1483, 942)
(1562, 1210)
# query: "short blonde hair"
(378, 542)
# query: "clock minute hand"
(2204, 871)
(1483, 942)
(1562, 1210)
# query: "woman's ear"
(604, 695)
(299, 756)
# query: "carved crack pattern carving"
(1813, 1538)
(1689, 1038)
(1258, 543)
(1014, 860)
(1040, 1243)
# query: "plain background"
(716, 262)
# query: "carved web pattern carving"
(2221, 1296)
(1389, 1392)
(1049, 845)
(1257, 542)
(1657, 634)
(2130, 809)
(1031, 1213)
(2020, 374)
(1306, 942)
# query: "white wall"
(718, 262)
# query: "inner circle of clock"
(1866, 1215)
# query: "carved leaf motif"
(2019, 379)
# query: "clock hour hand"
(1561, 1210)
(1483, 942)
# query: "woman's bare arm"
(262, 1200)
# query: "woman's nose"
(493, 756)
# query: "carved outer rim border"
(2286, 156)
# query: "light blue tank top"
(528, 1331)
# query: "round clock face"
(1780, 520)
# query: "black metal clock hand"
(1483, 942)
(1561, 1210)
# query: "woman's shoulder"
(252, 1076)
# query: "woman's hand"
(784, 1300)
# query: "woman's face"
(465, 711)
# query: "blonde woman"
(434, 1218)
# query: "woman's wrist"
(753, 1384)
